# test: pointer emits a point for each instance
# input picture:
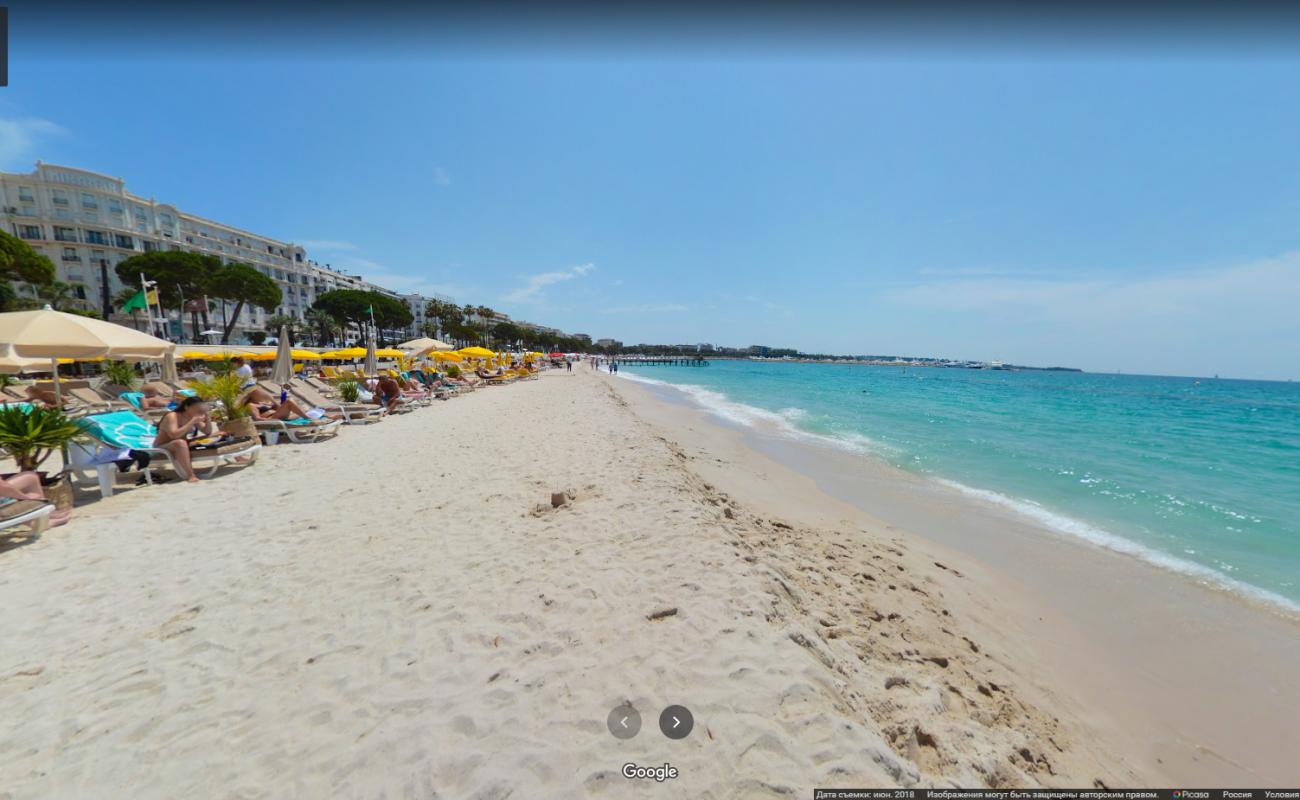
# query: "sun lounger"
(353, 413)
(299, 431)
(32, 515)
(124, 430)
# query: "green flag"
(137, 302)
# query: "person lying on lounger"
(43, 396)
(27, 486)
(153, 399)
(261, 405)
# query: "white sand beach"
(402, 613)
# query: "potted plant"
(453, 371)
(121, 377)
(30, 435)
(224, 390)
(350, 391)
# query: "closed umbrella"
(169, 373)
(50, 334)
(372, 361)
(282, 371)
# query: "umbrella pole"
(54, 369)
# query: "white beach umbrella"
(53, 334)
(282, 372)
(424, 345)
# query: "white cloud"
(531, 291)
(20, 138)
(648, 308)
(440, 176)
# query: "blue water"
(1199, 476)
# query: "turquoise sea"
(1200, 476)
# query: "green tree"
(56, 294)
(277, 321)
(324, 324)
(243, 285)
(355, 306)
(178, 275)
(19, 262)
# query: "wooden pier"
(663, 361)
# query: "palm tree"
(56, 294)
(277, 321)
(323, 323)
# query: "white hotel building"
(86, 223)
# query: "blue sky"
(1101, 210)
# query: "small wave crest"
(1118, 544)
(781, 422)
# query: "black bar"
(1056, 794)
(4, 45)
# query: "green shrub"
(453, 371)
(223, 389)
(30, 435)
(122, 374)
(350, 391)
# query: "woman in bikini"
(190, 420)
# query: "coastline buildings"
(87, 223)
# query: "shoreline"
(770, 430)
(1069, 600)
(402, 611)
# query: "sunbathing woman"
(190, 420)
(27, 486)
(153, 399)
(261, 405)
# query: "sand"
(401, 612)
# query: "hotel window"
(88, 200)
(29, 231)
(27, 211)
(115, 206)
(139, 213)
(70, 254)
(65, 234)
(166, 219)
(124, 241)
(96, 237)
(79, 291)
(149, 246)
(62, 213)
(59, 197)
(25, 194)
(96, 256)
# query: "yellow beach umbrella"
(389, 352)
(448, 357)
(476, 352)
(350, 352)
(194, 355)
(299, 355)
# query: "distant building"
(87, 223)
(758, 350)
(584, 336)
(610, 343)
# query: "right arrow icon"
(676, 722)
